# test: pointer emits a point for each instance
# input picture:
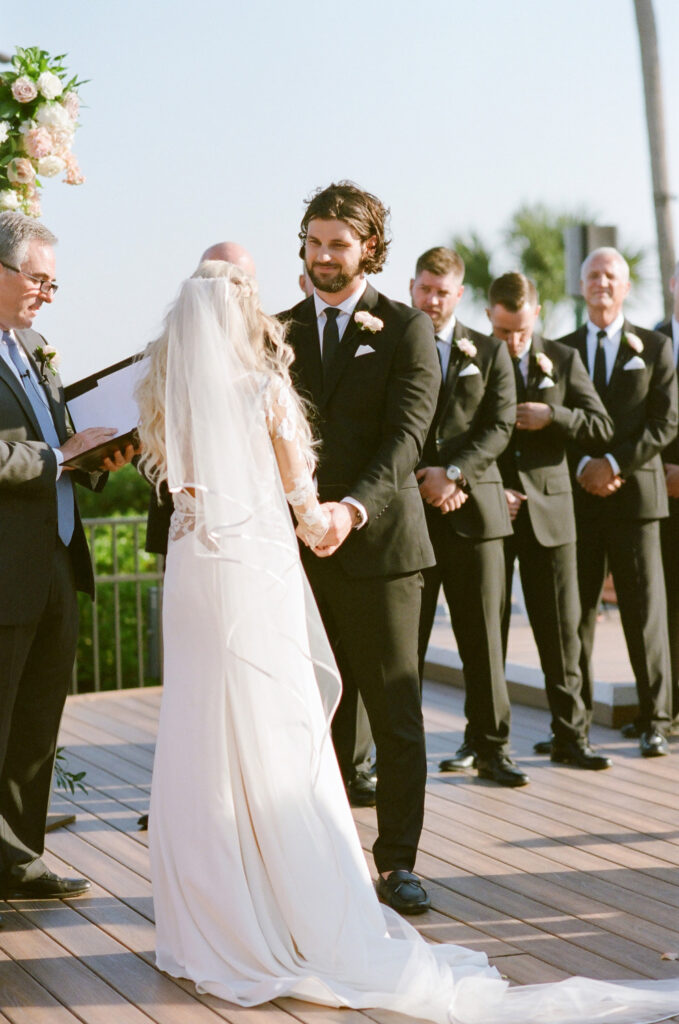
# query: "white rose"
(9, 200)
(53, 115)
(48, 166)
(50, 85)
(4, 131)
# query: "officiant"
(44, 558)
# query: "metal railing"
(120, 632)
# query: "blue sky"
(213, 120)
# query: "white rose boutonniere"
(47, 358)
(467, 347)
(635, 343)
(545, 364)
(367, 322)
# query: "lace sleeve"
(298, 484)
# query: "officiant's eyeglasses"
(46, 287)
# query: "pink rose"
(32, 207)
(71, 102)
(38, 143)
(23, 89)
(20, 171)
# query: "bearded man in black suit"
(621, 494)
(368, 367)
(669, 528)
(44, 558)
(466, 511)
(557, 405)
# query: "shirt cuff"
(362, 514)
(582, 463)
(614, 465)
(59, 456)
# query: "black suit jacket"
(372, 415)
(472, 426)
(642, 403)
(538, 457)
(28, 497)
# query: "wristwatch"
(454, 473)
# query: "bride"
(260, 885)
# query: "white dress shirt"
(346, 312)
(675, 338)
(4, 354)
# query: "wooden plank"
(24, 1001)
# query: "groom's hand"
(343, 518)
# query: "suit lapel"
(349, 343)
(581, 346)
(535, 374)
(49, 388)
(307, 365)
(16, 387)
(623, 355)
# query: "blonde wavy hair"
(267, 353)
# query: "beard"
(341, 280)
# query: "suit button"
(439, 442)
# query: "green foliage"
(63, 777)
(477, 259)
(126, 494)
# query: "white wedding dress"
(260, 885)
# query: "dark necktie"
(65, 503)
(518, 377)
(331, 338)
(599, 376)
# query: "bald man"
(160, 513)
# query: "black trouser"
(36, 661)
(549, 578)
(473, 576)
(669, 538)
(372, 627)
(631, 549)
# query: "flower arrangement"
(39, 108)
(466, 347)
(635, 343)
(47, 358)
(367, 322)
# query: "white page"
(111, 403)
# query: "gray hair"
(604, 250)
(16, 232)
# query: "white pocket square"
(635, 363)
(546, 383)
(469, 371)
(363, 350)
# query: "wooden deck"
(577, 873)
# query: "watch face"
(453, 473)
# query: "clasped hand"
(343, 517)
(598, 478)
(440, 492)
(533, 416)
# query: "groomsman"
(368, 366)
(466, 512)
(557, 404)
(669, 528)
(621, 495)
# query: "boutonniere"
(47, 358)
(544, 364)
(635, 343)
(367, 322)
(466, 347)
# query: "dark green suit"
(622, 530)
(543, 539)
(38, 614)
(472, 426)
(669, 541)
(373, 410)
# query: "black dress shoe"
(46, 887)
(652, 743)
(464, 757)
(631, 731)
(403, 892)
(501, 769)
(544, 746)
(361, 790)
(579, 754)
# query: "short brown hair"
(360, 210)
(440, 261)
(513, 291)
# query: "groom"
(369, 368)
